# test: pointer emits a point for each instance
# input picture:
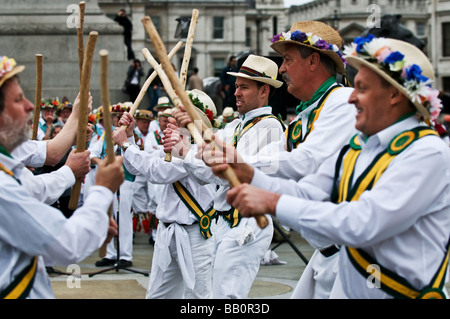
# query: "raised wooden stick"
(37, 96)
(188, 48)
(150, 80)
(172, 94)
(160, 49)
(80, 42)
(84, 109)
(104, 92)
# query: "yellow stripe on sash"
(24, 283)
(383, 278)
(391, 283)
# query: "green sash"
(20, 287)
(232, 216)
(204, 218)
(294, 132)
(391, 283)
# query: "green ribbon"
(317, 95)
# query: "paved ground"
(272, 282)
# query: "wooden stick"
(188, 48)
(172, 94)
(37, 96)
(80, 42)
(160, 49)
(84, 109)
(150, 80)
(104, 92)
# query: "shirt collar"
(385, 136)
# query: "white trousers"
(236, 263)
(125, 223)
(182, 263)
(319, 277)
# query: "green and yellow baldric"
(238, 132)
(20, 287)
(232, 216)
(391, 283)
(22, 284)
(204, 218)
(294, 132)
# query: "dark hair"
(271, 88)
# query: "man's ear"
(314, 61)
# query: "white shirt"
(31, 153)
(158, 171)
(31, 228)
(403, 221)
(332, 129)
(262, 133)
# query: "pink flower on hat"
(6, 65)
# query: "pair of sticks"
(203, 132)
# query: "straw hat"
(163, 103)
(144, 115)
(403, 65)
(316, 35)
(204, 104)
(258, 68)
(8, 69)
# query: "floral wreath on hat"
(120, 108)
(308, 39)
(49, 103)
(209, 114)
(6, 65)
(418, 86)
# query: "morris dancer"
(384, 196)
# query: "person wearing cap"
(384, 197)
(236, 237)
(122, 201)
(48, 118)
(184, 250)
(64, 110)
(38, 234)
(312, 64)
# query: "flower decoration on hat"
(204, 108)
(409, 76)
(6, 65)
(121, 107)
(308, 39)
(49, 103)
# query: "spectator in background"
(228, 83)
(195, 81)
(122, 19)
(134, 74)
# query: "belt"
(168, 224)
(330, 251)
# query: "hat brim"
(11, 73)
(279, 47)
(272, 82)
(357, 62)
